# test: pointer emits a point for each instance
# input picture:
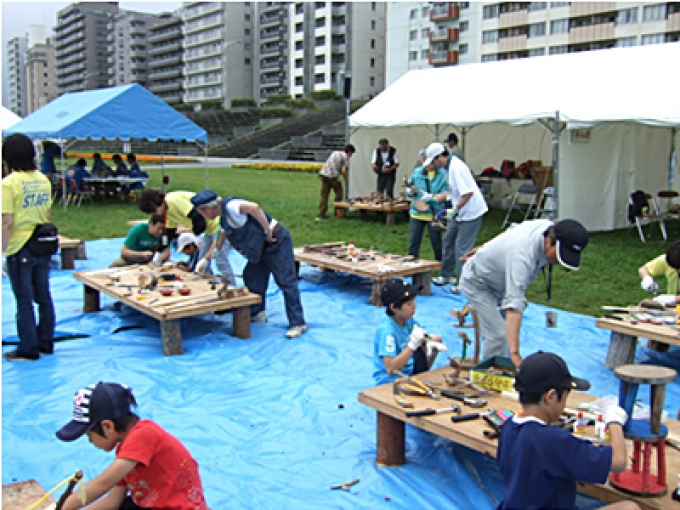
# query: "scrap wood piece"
(345, 486)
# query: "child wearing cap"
(188, 244)
(152, 468)
(399, 340)
(541, 464)
(668, 266)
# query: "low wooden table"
(391, 420)
(325, 256)
(390, 208)
(168, 310)
(624, 338)
(21, 495)
(71, 250)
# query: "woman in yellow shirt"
(668, 266)
(26, 202)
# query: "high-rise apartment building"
(128, 51)
(271, 47)
(166, 67)
(16, 75)
(83, 35)
(218, 51)
(41, 86)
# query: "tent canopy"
(128, 112)
(7, 118)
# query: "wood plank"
(658, 332)
(21, 495)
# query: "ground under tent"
(273, 423)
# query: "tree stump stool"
(647, 435)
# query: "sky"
(17, 15)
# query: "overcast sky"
(17, 15)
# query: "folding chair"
(668, 195)
(547, 205)
(76, 195)
(523, 201)
(645, 212)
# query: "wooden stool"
(646, 434)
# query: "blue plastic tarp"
(128, 112)
(273, 423)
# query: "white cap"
(185, 240)
(433, 150)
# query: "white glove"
(52, 506)
(435, 346)
(648, 283)
(426, 196)
(665, 299)
(416, 338)
(615, 414)
(202, 265)
(156, 260)
(409, 192)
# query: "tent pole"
(205, 162)
(463, 136)
(63, 173)
(163, 166)
(672, 159)
(556, 161)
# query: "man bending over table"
(143, 244)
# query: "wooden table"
(168, 310)
(624, 338)
(102, 184)
(21, 495)
(326, 257)
(390, 208)
(71, 250)
(391, 420)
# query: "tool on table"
(396, 391)
(461, 397)
(428, 391)
(471, 416)
(428, 412)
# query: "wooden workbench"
(625, 334)
(167, 310)
(391, 420)
(21, 495)
(389, 208)
(368, 266)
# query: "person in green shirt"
(667, 265)
(143, 244)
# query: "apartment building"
(16, 75)
(82, 39)
(271, 49)
(166, 66)
(41, 86)
(218, 51)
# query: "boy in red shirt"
(152, 468)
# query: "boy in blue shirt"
(541, 464)
(400, 344)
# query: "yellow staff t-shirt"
(27, 196)
(179, 205)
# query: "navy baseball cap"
(396, 289)
(204, 197)
(543, 371)
(97, 402)
(572, 239)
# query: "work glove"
(202, 265)
(426, 197)
(648, 283)
(449, 214)
(416, 338)
(156, 260)
(435, 346)
(665, 299)
(615, 414)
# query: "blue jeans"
(30, 278)
(221, 257)
(415, 238)
(459, 239)
(277, 259)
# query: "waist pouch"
(44, 240)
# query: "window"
(372, 44)
(372, 24)
(557, 50)
(320, 41)
(464, 5)
(537, 52)
(627, 16)
(320, 22)
(537, 6)
(298, 81)
(412, 56)
(298, 63)
(299, 45)
(559, 4)
(412, 35)
(559, 26)
(537, 29)
(654, 13)
(246, 61)
(247, 17)
(320, 59)
(489, 36)
(424, 54)
(424, 33)
(319, 78)
(490, 11)
(464, 25)
(463, 49)
(246, 31)
(492, 57)
(372, 62)
(299, 8)
(372, 81)
(373, 6)
(413, 14)
(298, 28)
(425, 12)
(653, 39)
(626, 42)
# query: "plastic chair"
(76, 195)
(524, 201)
(668, 195)
(642, 218)
(549, 207)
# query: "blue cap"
(203, 197)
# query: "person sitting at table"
(120, 169)
(143, 244)
(668, 266)
(78, 173)
(188, 244)
(99, 168)
(50, 151)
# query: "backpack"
(638, 204)
(508, 169)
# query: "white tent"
(7, 118)
(606, 120)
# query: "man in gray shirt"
(496, 276)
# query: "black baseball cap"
(97, 402)
(572, 239)
(203, 197)
(543, 371)
(396, 289)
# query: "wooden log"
(81, 253)
(171, 334)
(621, 350)
(240, 324)
(391, 439)
(424, 279)
(90, 299)
(68, 256)
(339, 213)
(657, 398)
(389, 219)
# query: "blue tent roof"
(129, 112)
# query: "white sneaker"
(444, 280)
(296, 331)
(455, 290)
(259, 317)
(435, 346)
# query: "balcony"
(587, 8)
(167, 61)
(165, 75)
(268, 35)
(447, 57)
(270, 65)
(443, 12)
(165, 48)
(444, 34)
(269, 20)
(202, 10)
(270, 49)
(673, 23)
(513, 19)
(591, 33)
(165, 35)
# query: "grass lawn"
(608, 274)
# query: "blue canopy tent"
(128, 112)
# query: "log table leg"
(621, 350)
(375, 293)
(90, 299)
(241, 322)
(171, 334)
(340, 212)
(424, 279)
(391, 440)
(389, 219)
(68, 257)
